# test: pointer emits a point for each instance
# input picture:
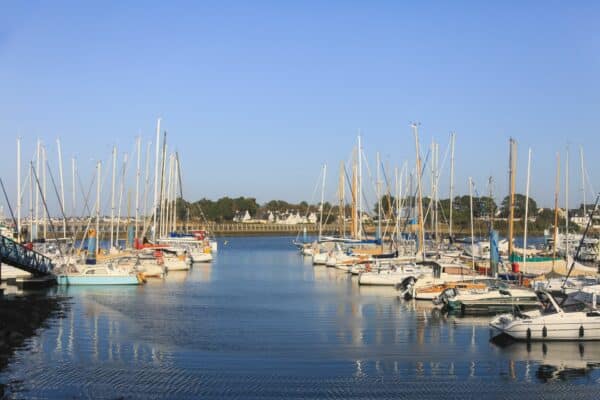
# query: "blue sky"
(256, 96)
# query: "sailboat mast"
(73, 186)
(112, 196)
(354, 199)
(162, 184)
(437, 194)
(62, 186)
(359, 188)
(19, 198)
(31, 203)
(98, 188)
(452, 138)
(379, 203)
(432, 193)
(175, 189)
(146, 186)
(419, 192)
(512, 172)
(322, 200)
(37, 192)
(121, 190)
(137, 184)
(342, 211)
(155, 203)
(583, 180)
(567, 202)
(44, 194)
(472, 227)
(556, 189)
(526, 221)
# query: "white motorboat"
(559, 319)
(489, 299)
(395, 275)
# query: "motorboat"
(394, 275)
(560, 318)
(490, 299)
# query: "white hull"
(391, 277)
(552, 324)
(563, 327)
(320, 258)
(201, 257)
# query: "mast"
(137, 185)
(432, 193)
(73, 186)
(379, 203)
(395, 205)
(354, 199)
(112, 197)
(19, 198)
(168, 195)
(437, 194)
(44, 194)
(452, 138)
(30, 203)
(582, 180)
(472, 227)
(419, 192)
(341, 193)
(62, 186)
(512, 172)
(175, 188)
(322, 200)
(162, 184)
(98, 188)
(567, 203)
(146, 186)
(155, 204)
(121, 190)
(359, 188)
(526, 222)
(37, 192)
(556, 189)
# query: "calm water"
(262, 322)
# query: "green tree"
(519, 206)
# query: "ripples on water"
(263, 322)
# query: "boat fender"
(581, 332)
(529, 334)
(544, 332)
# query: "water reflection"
(553, 360)
(260, 321)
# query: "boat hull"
(72, 280)
(559, 327)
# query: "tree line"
(484, 207)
